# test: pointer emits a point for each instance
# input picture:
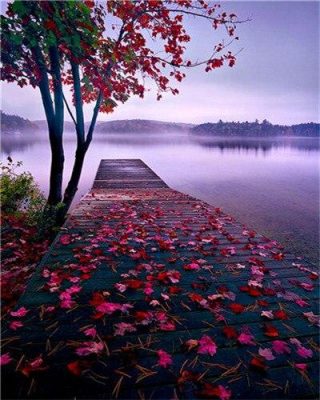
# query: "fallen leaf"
(207, 346)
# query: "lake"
(272, 185)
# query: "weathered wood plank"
(179, 269)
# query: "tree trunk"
(56, 172)
(55, 117)
(72, 187)
(57, 153)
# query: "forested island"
(256, 129)
(13, 123)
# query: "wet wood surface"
(148, 269)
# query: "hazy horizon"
(275, 77)
(252, 120)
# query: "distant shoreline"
(13, 123)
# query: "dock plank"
(146, 268)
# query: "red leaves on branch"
(50, 25)
(214, 63)
(114, 64)
(89, 3)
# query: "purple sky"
(276, 75)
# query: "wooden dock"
(148, 293)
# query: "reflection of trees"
(10, 143)
(256, 144)
(145, 140)
(23, 141)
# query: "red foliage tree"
(54, 44)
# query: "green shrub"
(21, 195)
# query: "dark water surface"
(272, 185)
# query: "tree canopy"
(104, 52)
(113, 65)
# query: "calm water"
(269, 184)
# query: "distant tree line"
(13, 123)
(256, 129)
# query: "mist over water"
(269, 184)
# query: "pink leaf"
(15, 325)
(267, 354)
(21, 312)
(207, 346)
(267, 314)
(148, 291)
(246, 338)
(167, 326)
(192, 267)
(301, 367)
(301, 302)
(90, 348)
(280, 347)
(224, 393)
(122, 328)
(307, 286)
(110, 308)
(312, 318)
(121, 287)
(295, 341)
(5, 359)
(90, 332)
(65, 239)
(304, 352)
(164, 359)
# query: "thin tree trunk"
(81, 151)
(57, 152)
(54, 117)
(72, 187)
(56, 171)
(82, 142)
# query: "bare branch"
(196, 64)
(100, 95)
(78, 102)
(212, 18)
(69, 111)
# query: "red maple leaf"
(258, 363)
(236, 308)
(270, 330)
(230, 332)
(78, 366)
(254, 292)
(280, 314)
(133, 283)
(195, 297)
(174, 290)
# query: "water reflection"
(256, 145)
(12, 143)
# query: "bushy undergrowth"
(19, 192)
(27, 228)
(21, 196)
